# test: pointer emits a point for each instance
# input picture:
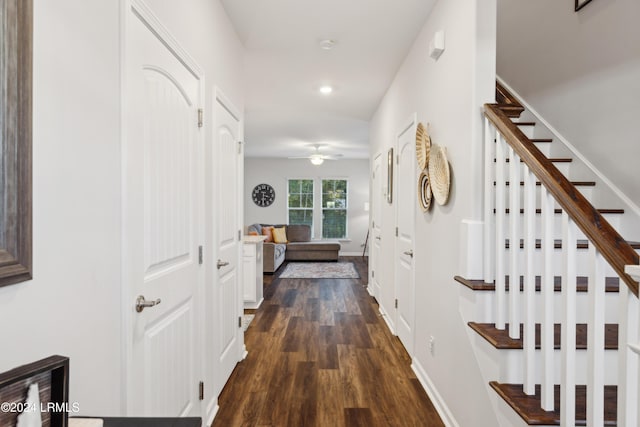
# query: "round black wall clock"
(263, 195)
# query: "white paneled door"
(406, 182)
(228, 295)
(161, 226)
(376, 224)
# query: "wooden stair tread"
(511, 110)
(559, 211)
(575, 183)
(612, 284)
(524, 123)
(500, 338)
(552, 160)
(528, 407)
(557, 244)
(541, 140)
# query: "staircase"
(555, 267)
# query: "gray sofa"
(299, 248)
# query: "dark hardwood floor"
(320, 355)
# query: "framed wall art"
(581, 3)
(16, 59)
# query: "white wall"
(72, 306)
(276, 172)
(449, 95)
(580, 72)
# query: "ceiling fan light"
(316, 160)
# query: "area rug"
(246, 320)
(320, 270)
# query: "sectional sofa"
(300, 247)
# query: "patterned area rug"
(320, 270)
(246, 321)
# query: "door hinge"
(200, 117)
(397, 159)
(239, 147)
(239, 321)
(200, 255)
(373, 224)
(201, 390)
(396, 302)
(239, 235)
(396, 231)
(373, 273)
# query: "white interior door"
(161, 224)
(406, 181)
(229, 301)
(376, 223)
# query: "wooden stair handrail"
(606, 239)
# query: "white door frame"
(139, 8)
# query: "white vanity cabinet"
(252, 270)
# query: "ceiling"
(285, 66)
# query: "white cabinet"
(252, 271)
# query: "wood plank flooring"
(320, 355)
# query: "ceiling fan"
(317, 158)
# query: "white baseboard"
(385, 316)
(436, 399)
(350, 253)
(212, 410)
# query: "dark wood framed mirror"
(16, 71)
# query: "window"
(334, 208)
(300, 202)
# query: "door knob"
(142, 303)
(222, 264)
(409, 252)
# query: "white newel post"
(629, 353)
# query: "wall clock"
(263, 195)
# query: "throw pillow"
(253, 233)
(268, 231)
(280, 235)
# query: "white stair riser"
(613, 219)
(582, 260)
(582, 305)
(511, 366)
(563, 167)
(586, 191)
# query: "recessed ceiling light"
(327, 44)
(326, 90)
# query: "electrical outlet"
(432, 345)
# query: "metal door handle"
(410, 253)
(142, 303)
(222, 264)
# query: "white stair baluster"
(547, 290)
(595, 339)
(628, 339)
(500, 192)
(529, 330)
(489, 205)
(514, 246)
(568, 334)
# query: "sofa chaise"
(299, 247)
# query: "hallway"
(320, 355)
